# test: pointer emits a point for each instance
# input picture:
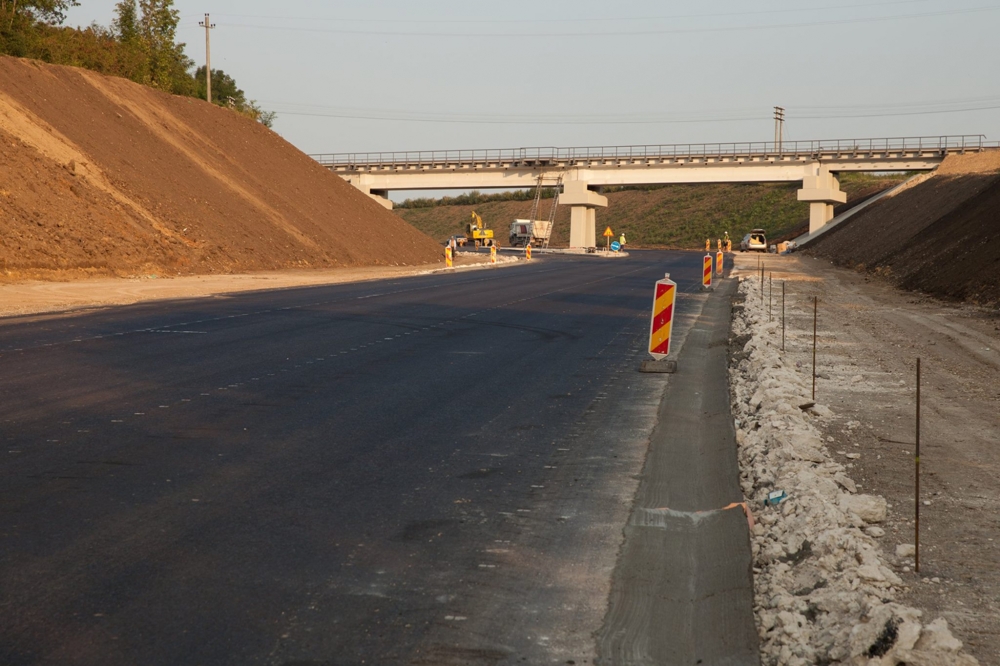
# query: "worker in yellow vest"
(622, 239)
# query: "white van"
(755, 240)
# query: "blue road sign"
(615, 246)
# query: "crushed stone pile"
(823, 590)
(102, 176)
(938, 236)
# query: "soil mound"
(100, 175)
(938, 236)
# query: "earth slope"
(939, 236)
(100, 175)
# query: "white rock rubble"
(823, 591)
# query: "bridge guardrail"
(945, 143)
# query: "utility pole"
(779, 127)
(208, 25)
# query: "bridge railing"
(551, 154)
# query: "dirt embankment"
(99, 175)
(938, 237)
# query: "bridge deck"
(761, 153)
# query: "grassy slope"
(669, 216)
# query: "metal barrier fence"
(940, 144)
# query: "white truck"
(536, 232)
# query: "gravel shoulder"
(870, 336)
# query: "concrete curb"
(682, 591)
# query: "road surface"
(430, 470)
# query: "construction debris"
(823, 589)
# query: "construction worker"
(622, 239)
(726, 243)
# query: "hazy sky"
(435, 74)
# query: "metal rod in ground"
(782, 315)
(770, 294)
(916, 484)
(815, 310)
(762, 284)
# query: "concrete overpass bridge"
(816, 164)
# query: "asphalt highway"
(430, 470)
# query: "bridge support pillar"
(380, 196)
(822, 190)
(583, 205)
(582, 226)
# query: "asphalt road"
(430, 470)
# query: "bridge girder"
(814, 163)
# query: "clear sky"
(383, 75)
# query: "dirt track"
(869, 338)
(101, 176)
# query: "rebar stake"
(916, 484)
(815, 310)
(782, 315)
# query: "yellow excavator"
(478, 233)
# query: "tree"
(140, 45)
(168, 65)
(125, 25)
(252, 110)
(133, 59)
(52, 12)
(224, 88)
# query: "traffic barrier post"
(493, 254)
(719, 266)
(527, 252)
(448, 259)
(661, 327)
(708, 245)
(706, 273)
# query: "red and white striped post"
(661, 324)
(706, 273)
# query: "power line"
(709, 116)
(608, 19)
(672, 31)
(467, 121)
(514, 122)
